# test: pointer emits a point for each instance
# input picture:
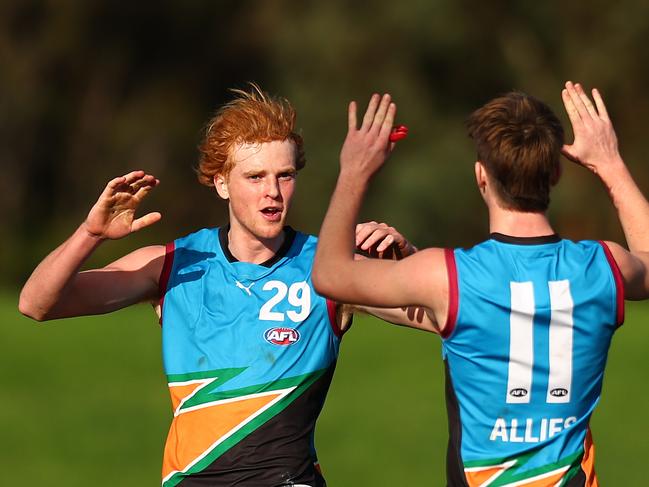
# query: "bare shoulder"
(621, 256)
(427, 264)
(634, 270)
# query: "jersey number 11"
(521, 343)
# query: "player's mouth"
(272, 213)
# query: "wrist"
(612, 172)
(89, 233)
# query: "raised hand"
(383, 241)
(366, 148)
(113, 216)
(595, 146)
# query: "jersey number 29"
(299, 295)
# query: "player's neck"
(519, 224)
(246, 247)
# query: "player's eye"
(287, 176)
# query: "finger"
(370, 112)
(388, 123)
(577, 101)
(566, 150)
(364, 230)
(112, 186)
(571, 109)
(147, 180)
(352, 122)
(130, 182)
(385, 243)
(599, 102)
(133, 176)
(586, 101)
(381, 113)
(143, 191)
(378, 236)
(145, 221)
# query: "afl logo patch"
(519, 392)
(281, 336)
(559, 392)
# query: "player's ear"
(480, 177)
(221, 185)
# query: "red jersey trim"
(170, 249)
(453, 293)
(619, 284)
(331, 311)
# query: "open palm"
(113, 216)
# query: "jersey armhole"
(453, 294)
(331, 311)
(619, 284)
(163, 282)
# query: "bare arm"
(596, 148)
(57, 289)
(382, 241)
(418, 280)
(416, 317)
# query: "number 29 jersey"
(529, 328)
(249, 352)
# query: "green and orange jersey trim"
(502, 472)
(206, 424)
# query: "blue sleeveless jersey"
(530, 324)
(249, 351)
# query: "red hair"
(251, 117)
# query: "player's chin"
(271, 229)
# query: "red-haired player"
(249, 347)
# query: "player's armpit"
(344, 316)
(634, 269)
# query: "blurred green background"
(90, 90)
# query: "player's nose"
(272, 188)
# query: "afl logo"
(281, 336)
(519, 392)
(559, 392)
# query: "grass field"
(85, 403)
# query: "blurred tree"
(93, 89)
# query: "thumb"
(569, 152)
(145, 221)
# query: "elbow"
(318, 280)
(30, 310)
(322, 282)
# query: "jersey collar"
(510, 239)
(289, 236)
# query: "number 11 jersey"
(529, 328)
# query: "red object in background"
(399, 132)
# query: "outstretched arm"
(418, 280)
(57, 289)
(595, 147)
